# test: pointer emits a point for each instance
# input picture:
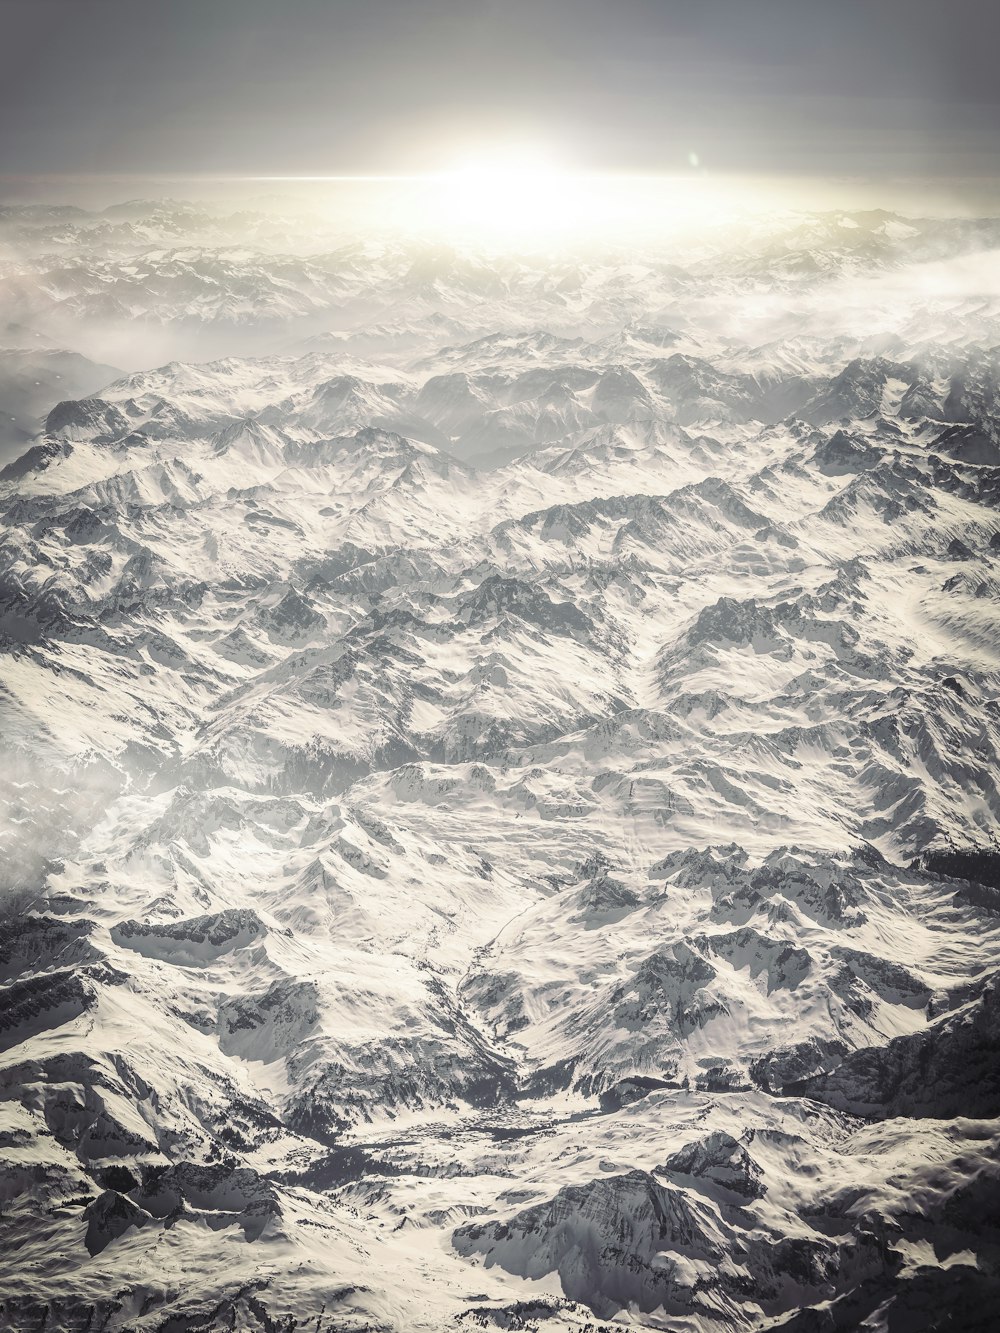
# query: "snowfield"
(501, 823)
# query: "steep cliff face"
(500, 804)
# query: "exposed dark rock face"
(952, 1068)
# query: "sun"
(511, 192)
(524, 196)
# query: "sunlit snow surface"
(500, 779)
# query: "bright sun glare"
(507, 192)
(525, 195)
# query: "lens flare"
(526, 196)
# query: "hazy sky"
(304, 86)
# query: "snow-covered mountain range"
(501, 817)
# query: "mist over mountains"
(500, 776)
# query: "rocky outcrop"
(195, 942)
(952, 1068)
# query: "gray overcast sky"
(305, 86)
